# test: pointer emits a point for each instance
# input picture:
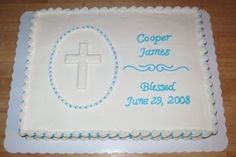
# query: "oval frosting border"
(51, 62)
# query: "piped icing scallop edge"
(208, 75)
(193, 134)
(158, 9)
(30, 47)
(120, 135)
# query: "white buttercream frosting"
(126, 128)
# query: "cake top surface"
(117, 70)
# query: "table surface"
(223, 19)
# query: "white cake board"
(14, 143)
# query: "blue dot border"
(52, 58)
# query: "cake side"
(123, 134)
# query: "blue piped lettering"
(155, 39)
(136, 101)
(153, 87)
(153, 52)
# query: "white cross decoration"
(82, 60)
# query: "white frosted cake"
(117, 73)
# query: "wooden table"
(223, 19)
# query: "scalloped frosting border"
(193, 134)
